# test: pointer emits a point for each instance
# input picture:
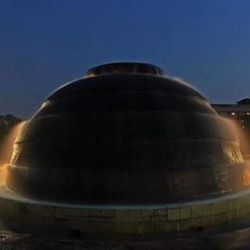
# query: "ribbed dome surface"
(125, 134)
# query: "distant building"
(237, 111)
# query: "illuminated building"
(238, 110)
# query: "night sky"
(45, 43)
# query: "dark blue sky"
(45, 43)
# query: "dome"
(126, 134)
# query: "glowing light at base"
(6, 151)
(238, 156)
(232, 152)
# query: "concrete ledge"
(144, 220)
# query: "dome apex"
(124, 68)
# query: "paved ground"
(227, 237)
(237, 239)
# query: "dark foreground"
(227, 236)
(237, 239)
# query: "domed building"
(127, 150)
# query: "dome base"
(114, 221)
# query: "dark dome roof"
(124, 67)
(125, 134)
